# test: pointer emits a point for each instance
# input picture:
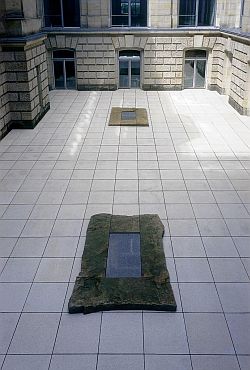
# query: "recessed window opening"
(61, 13)
(64, 69)
(129, 13)
(195, 13)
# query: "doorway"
(195, 69)
(64, 69)
(129, 69)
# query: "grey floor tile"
(73, 362)
(8, 322)
(27, 362)
(220, 247)
(78, 334)
(29, 247)
(20, 270)
(228, 270)
(121, 333)
(164, 333)
(246, 263)
(208, 334)
(235, 297)
(242, 245)
(212, 227)
(37, 228)
(157, 362)
(46, 297)
(188, 247)
(61, 247)
(215, 362)
(44, 212)
(67, 228)
(244, 362)
(54, 270)
(193, 270)
(183, 228)
(7, 245)
(199, 297)
(13, 296)
(238, 227)
(35, 334)
(11, 228)
(239, 326)
(121, 362)
(18, 212)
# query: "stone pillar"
(27, 81)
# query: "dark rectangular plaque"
(124, 255)
(128, 115)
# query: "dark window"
(196, 12)
(61, 13)
(129, 13)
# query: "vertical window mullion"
(62, 17)
(129, 13)
(129, 73)
(197, 12)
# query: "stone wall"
(5, 115)
(26, 83)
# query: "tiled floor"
(192, 167)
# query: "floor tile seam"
(183, 317)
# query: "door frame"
(129, 69)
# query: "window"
(64, 69)
(196, 13)
(129, 13)
(61, 13)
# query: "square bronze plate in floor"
(128, 117)
(123, 266)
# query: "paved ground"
(192, 167)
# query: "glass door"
(64, 69)
(129, 69)
(195, 69)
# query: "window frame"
(195, 59)
(196, 15)
(129, 16)
(61, 16)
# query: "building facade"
(112, 44)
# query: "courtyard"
(191, 166)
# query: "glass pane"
(129, 53)
(135, 73)
(52, 13)
(63, 54)
(200, 72)
(59, 74)
(206, 12)
(124, 255)
(124, 74)
(120, 13)
(139, 13)
(188, 73)
(196, 54)
(187, 11)
(71, 13)
(70, 74)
